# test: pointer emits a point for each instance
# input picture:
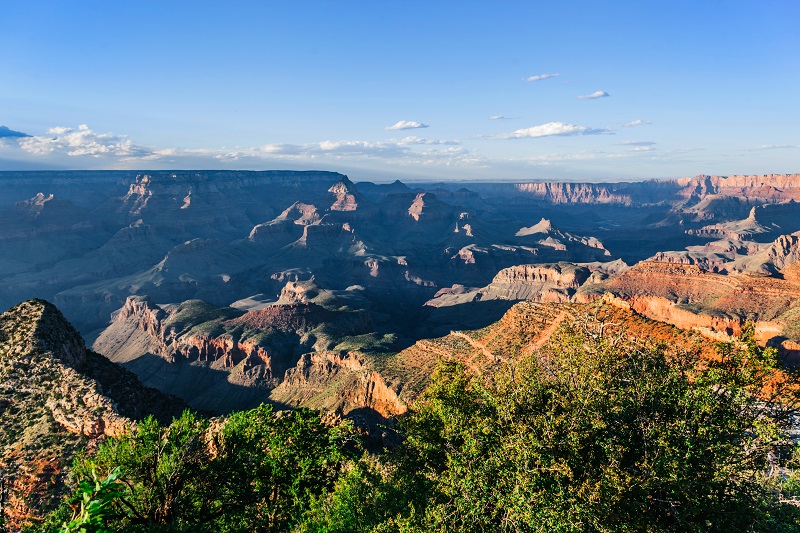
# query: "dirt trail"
(479, 346)
(545, 335)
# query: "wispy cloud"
(594, 96)
(776, 147)
(637, 122)
(637, 143)
(499, 117)
(392, 148)
(538, 77)
(551, 129)
(416, 140)
(407, 125)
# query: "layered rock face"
(212, 350)
(767, 188)
(689, 296)
(344, 196)
(342, 384)
(543, 283)
(576, 193)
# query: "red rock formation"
(344, 196)
(769, 188)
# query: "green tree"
(598, 434)
(168, 473)
(273, 466)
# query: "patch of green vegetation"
(195, 315)
(373, 343)
(256, 471)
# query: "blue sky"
(410, 90)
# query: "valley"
(231, 288)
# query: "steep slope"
(220, 358)
(54, 396)
(523, 329)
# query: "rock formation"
(55, 394)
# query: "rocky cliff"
(208, 354)
(576, 193)
(55, 394)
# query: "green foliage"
(259, 471)
(593, 435)
(366, 496)
(166, 472)
(97, 499)
(273, 466)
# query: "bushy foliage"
(592, 434)
(258, 472)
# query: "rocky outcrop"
(689, 296)
(707, 262)
(344, 196)
(664, 310)
(563, 276)
(142, 324)
(426, 206)
(767, 188)
(739, 230)
(226, 348)
(54, 395)
(317, 379)
(303, 214)
(538, 283)
(784, 251)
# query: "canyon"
(232, 288)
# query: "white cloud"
(595, 95)
(83, 141)
(550, 129)
(538, 77)
(637, 143)
(119, 150)
(406, 125)
(499, 117)
(637, 122)
(392, 148)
